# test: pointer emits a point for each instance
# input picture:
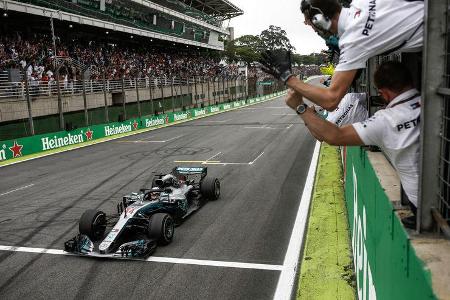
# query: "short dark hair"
(328, 7)
(393, 75)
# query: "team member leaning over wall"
(366, 29)
(394, 129)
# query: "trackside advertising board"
(20, 147)
(386, 265)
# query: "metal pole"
(181, 93)
(235, 87)
(151, 94)
(53, 37)
(162, 96)
(86, 116)
(214, 89)
(209, 93)
(30, 113)
(196, 94)
(105, 98)
(137, 97)
(171, 91)
(223, 88)
(203, 92)
(124, 99)
(60, 108)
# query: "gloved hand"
(277, 63)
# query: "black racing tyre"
(93, 224)
(161, 227)
(154, 182)
(210, 188)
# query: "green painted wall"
(386, 265)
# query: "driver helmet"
(154, 195)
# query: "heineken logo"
(135, 125)
(154, 122)
(251, 101)
(200, 112)
(113, 129)
(215, 109)
(227, 106)
(54, 142)
(180, 116)
(237, 104)
(89, 133)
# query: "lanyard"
(406, 100)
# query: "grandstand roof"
(221, 9)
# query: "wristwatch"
(301, 108)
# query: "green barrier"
(386, 264)
(17, 148)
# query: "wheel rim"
(99, 225)
(168, 229)
(217, 188)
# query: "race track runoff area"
(233, 248)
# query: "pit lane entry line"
(160, 259)
(288, 274)
(18, 189)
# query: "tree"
(275, 38)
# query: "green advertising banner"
(386, 265)
(20, 147)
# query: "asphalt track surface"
(260, 153)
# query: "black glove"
(277, 63)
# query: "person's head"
(154, 195)
(322, 15)
(391, 79)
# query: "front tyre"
(161, 227)
(93, 224)
(210, 188)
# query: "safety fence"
(16, 148)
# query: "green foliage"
(275, 38)
(311, 59)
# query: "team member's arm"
(328, 98)
(323, 129)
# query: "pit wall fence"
(386, 265)
(37, 144)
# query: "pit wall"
(386, 265)
(17, 149)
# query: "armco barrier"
(20, 147)
(386, 265)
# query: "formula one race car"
(145, 219)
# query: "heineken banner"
(386, 265)
(34, 144)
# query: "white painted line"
(252, 162)
(289, 126)
(150, 141)
(287, 277)
(262, 127)
(212, 157)
(18, 189)
(215, 263)
(222, 121)
(172, 260)
(284, 115)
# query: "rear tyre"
(210, 188)
(161, 227)
(154, 182)
(93, 224)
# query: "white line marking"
(252, 162)
(150, 141)
(289, 126)
(212, 157)
(284, 114)
(288, 274)
(222, 121)
(18, 189)
(261, 127)
(172, 260)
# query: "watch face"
(301, 108)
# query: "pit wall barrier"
(386, 265)
(16, 149)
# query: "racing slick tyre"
(161, 227)
(210, 188)
(154, 182)
(93, 224)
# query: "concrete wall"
(16, 108)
